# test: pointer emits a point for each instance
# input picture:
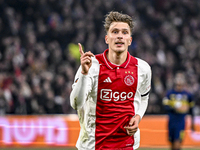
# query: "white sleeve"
(143, 106)
(144, 88)
(81, 87)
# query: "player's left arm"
(144, 90)
(134, 122)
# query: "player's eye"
(125, 32)
(115, 31)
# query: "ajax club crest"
(129, 80)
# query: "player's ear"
(106, 39)
(130, 41)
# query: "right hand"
(86, 60)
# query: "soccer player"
(111, 91)
(178, 102)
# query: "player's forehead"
(119, 26)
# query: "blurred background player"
(178, 103)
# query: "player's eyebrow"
(123, 30)
(120, 29)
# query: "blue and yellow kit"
(178, 104)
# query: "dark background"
(38, 48)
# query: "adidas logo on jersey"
(107, 80)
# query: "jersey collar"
(113, 66)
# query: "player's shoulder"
(96, 60)
(143, 65)
(99, 58)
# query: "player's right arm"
(82, 83)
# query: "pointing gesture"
(86, 60)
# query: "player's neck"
(117, 58)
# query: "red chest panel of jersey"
(116, 90)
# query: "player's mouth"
(119, 44)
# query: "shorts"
(176, 131)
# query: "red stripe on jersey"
(116, 90)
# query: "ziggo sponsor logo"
(108, 94)
(26, 131)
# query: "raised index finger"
(80, 49)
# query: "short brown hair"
(115, 16)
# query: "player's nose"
(120, 35)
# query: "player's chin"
(119, 49)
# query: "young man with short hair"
(111, 91)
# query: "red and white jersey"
(107, 98)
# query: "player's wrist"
(137, 117)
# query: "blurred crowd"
(39, 57)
